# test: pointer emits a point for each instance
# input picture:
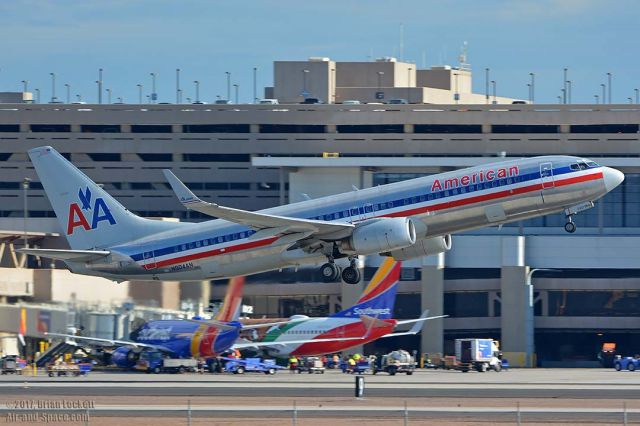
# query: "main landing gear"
(331, 272)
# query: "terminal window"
(524, 128)
(9, 127)
(151, 128)
(292, 128)
(50, 127)
(370, 128)
(216, 128)
(604, 128)
(447, 128)
(613, 303)
(100, 128)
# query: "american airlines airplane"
(404, 220)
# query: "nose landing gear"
(570, 227)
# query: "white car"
(268, 102)
(351, 102)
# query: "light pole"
(25, 85)
(486, 85)
(79, 98)
(630, 100)
(255, 85)
(37, 96)
(564, 85)
(99, 85)
(533, 86)
(637, 95)
(154, 95)
(304, 83)
(179, 95)
(609, 88)
(569, 91)
(409, 84)
(495, 100)
(108, 95)
(53, 87)
(139, 93)
(197, 83)
(604, 97)
(228, 85)
(559, 99)
(177, 85)
(25, 188)
(529, 90)
(597, 99)
(148, 99)
(68, 87)
(456, 95)
(120, 100)
(236, 86)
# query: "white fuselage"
(445, 203)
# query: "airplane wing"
(244, 345)
(252, 219)
(416, 327)
(107, 342)
(76, 255)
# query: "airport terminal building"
(528, 284)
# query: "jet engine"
(423, 247)
(125, 357)
(381, 235)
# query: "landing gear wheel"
(330, 272)
(351, 275)
(570, 227)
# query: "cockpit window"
(592, 164)
(574, 166)
(583, 166)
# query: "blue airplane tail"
(89, 217)
(379, 297)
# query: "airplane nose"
(612, 178)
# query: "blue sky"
(205, 38)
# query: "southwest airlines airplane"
(196, 338)
(368, 320)
(403, 220)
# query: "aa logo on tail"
(98, 212)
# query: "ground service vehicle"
(11, 364)
(64, 369)
(311, 364)
(155, 362)
(479, 354)
(627, 363)
(399, 361)
(251, 365)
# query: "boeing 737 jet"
(403, 220)
(368, 320)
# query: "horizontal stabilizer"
(76, 255)
(417, 326)
(254, 220)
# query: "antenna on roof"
(401, 42)
(464, 64)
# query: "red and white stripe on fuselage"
(206, 252)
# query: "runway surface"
(559, 396)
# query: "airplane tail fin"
(232, 305)
(379, 297)
(88, 215)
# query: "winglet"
(184, 194)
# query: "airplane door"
(546, 175)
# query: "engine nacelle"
(125, 357)
(381, 235)
(423, 247)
